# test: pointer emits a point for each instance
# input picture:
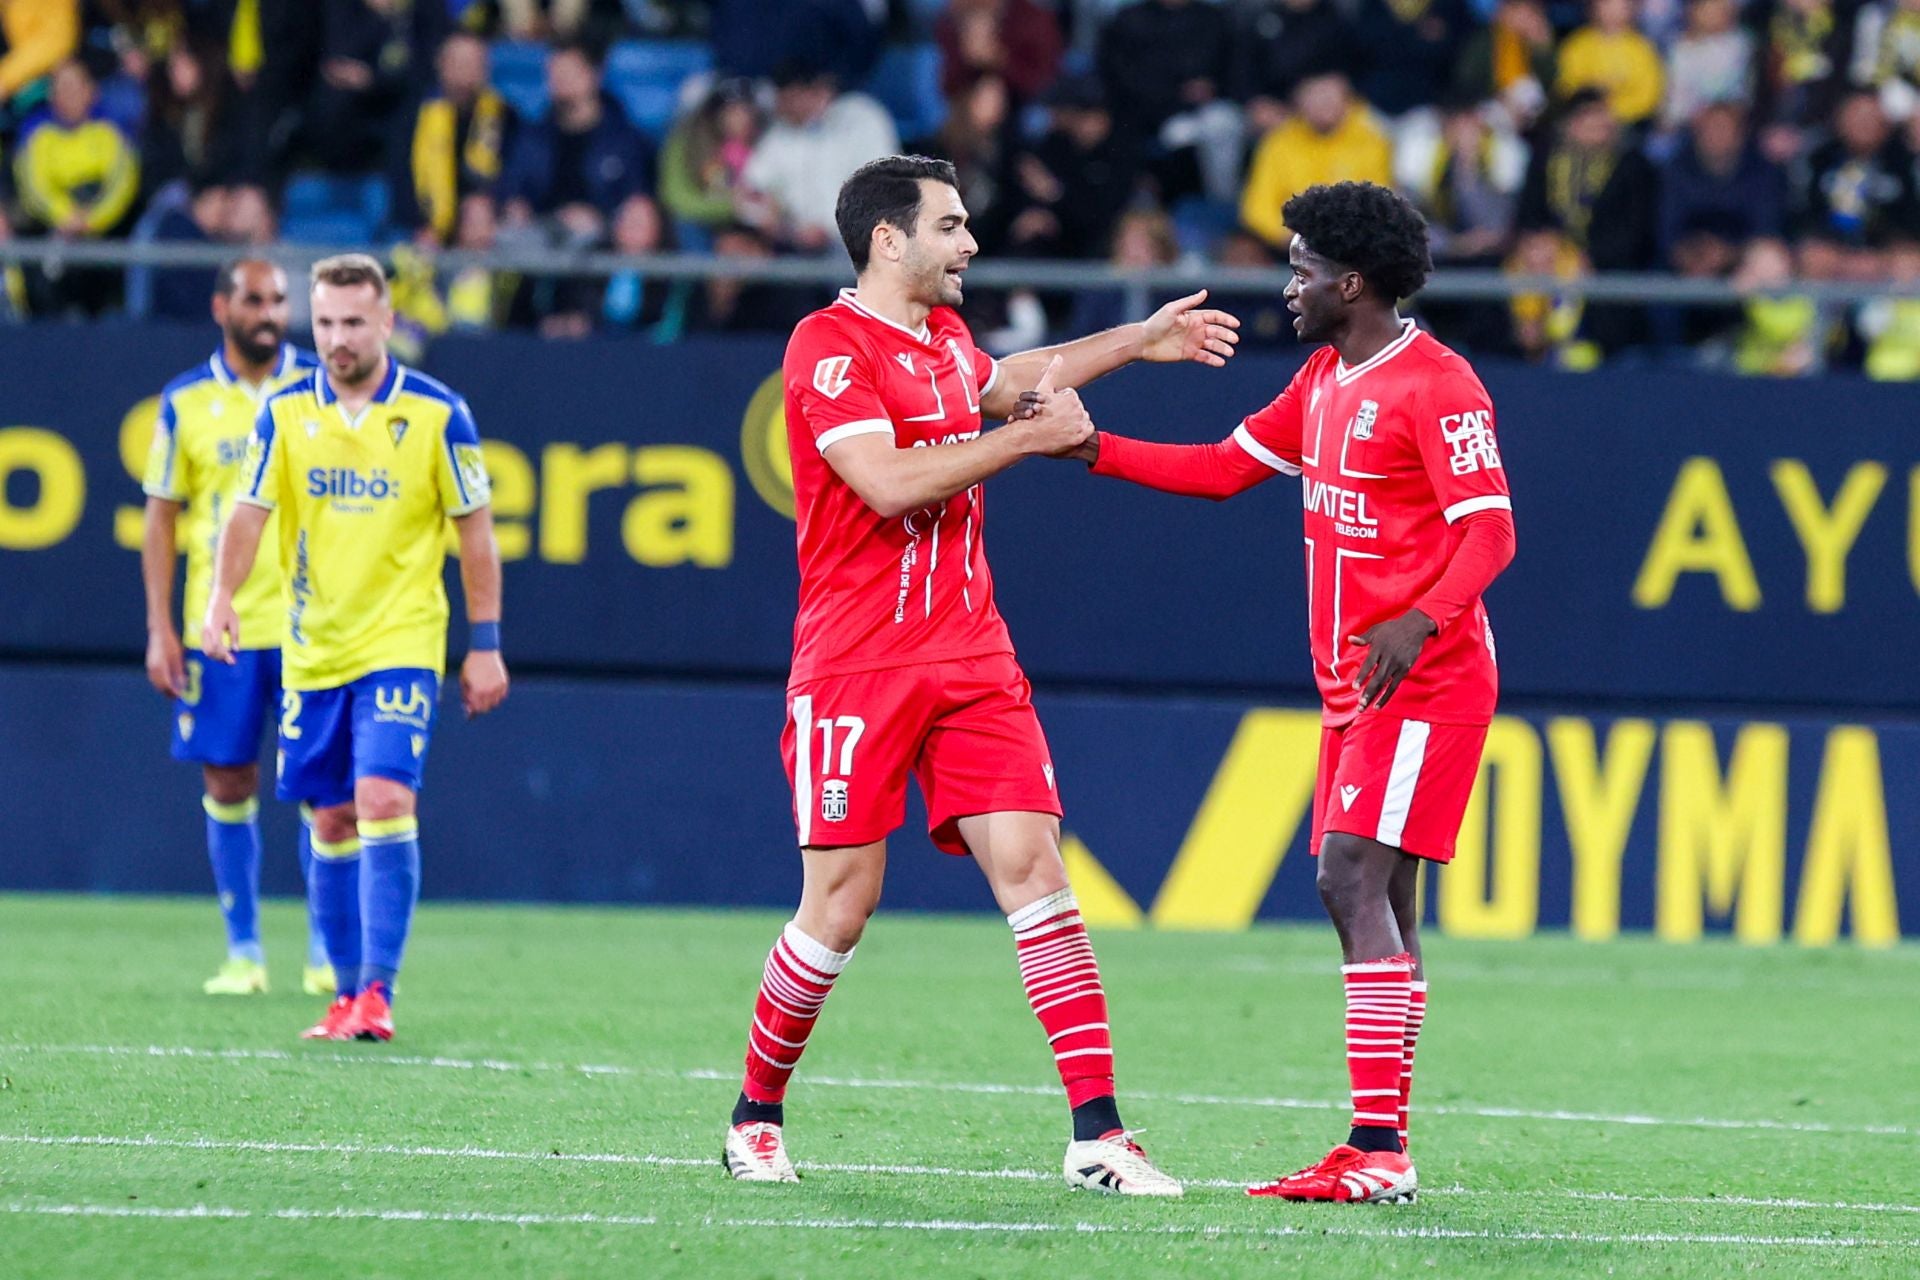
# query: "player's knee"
(231, 784)
(1338, 874)
(335, 825)
(379, 800)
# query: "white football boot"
(1117, 1166)
(756, 1152)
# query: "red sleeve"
(1215, 471)
(1272, 435)
(1486, 547)
(830, 378)
(1455, 437)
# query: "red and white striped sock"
(798, 977)
(1377, 994)
(1062, 979)
(1416, 1018)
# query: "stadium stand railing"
(1649, 289)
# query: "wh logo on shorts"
(830, 376)
(1469, 437)
(833, 800)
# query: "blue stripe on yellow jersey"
(196, 458)
(362, 505)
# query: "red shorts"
(965, 728)
(1404, 783)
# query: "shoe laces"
(763, 1139)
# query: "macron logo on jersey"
(1469, 438)
(830, 376)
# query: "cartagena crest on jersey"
(1363, 421)
(830, 376)
(833, 800)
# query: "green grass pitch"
(554, 1101)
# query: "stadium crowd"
(1761, 143)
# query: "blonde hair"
(345, 270)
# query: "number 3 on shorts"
(289, 714)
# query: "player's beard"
(259, 343)
(929, 276)
(356, 373)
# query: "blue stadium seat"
(646, 75)
(320, 209)
(520, 74)
(907, 83)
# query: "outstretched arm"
(1181, 330)
(1217, 471)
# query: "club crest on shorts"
(833, 800)
(1363, 420)
(186, 726)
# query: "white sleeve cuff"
(252, 501)
(1244, 438)
(846, 430)
(1487, 502)
(993, 378)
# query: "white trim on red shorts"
(803, 767)
(1409, 753)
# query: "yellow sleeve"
(41, 198)
(121, 186)
(41, 34)
(167, 468)
(1266, 191)
(461, 469)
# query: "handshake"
(1054, 423)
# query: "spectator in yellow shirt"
(1611, 55)
(37, 35)
(1329, 138)
(77, 176)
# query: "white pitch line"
(1203, 1232)
(969, 1087)
(319, 1055)
(898, 1170)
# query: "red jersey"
(877, 592)
(1391, 453)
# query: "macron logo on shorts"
(1348, 794)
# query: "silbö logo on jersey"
(351, 490)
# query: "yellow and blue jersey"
(199, 444)
(363, 504)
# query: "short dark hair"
(227, 283)
(884, 190)
(1370, 229)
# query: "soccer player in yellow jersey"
(194, 469)
(365, 460)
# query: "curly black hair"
(1365, 228)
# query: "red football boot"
(333, 1025)
(372, 1017)
(1349, 1176)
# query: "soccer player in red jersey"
(1408, 520)
(901, 661)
